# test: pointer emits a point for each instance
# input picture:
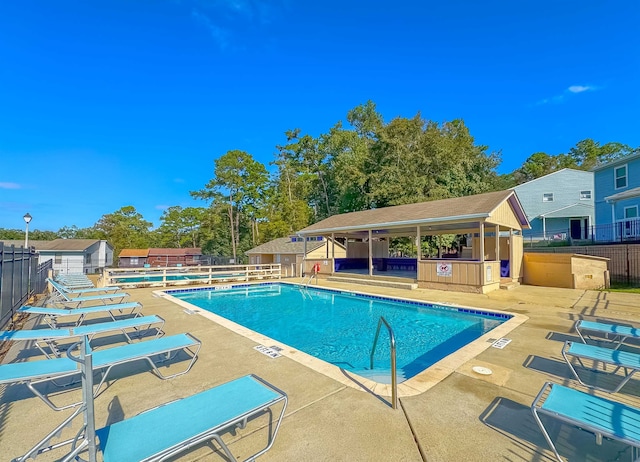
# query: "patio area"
(327, 420)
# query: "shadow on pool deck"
(466, 416)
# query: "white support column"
(613, 221)
(419, 252)
(333, 253)
(497, 242)
(370, 253)
(544, 228)
(481, 234)
(333, 245)
(304, 256)
(511, 257)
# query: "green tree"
(240, 183)
(588, 153)
(125, 228)
(541, 164)
(180, 227)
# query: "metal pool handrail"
(392, 341)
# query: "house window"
(547, 197)
(87, 259)
(585, 195)
(631, 212)
(58, 258)
(621, 177)
(133, 261)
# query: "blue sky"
(108, 103)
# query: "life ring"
(316, 268)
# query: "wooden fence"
(624, 259)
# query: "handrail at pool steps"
(169, 276)
(392, 341)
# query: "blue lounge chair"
(33, 373)
(172, 428)
(614, 333)
(75, 280)
(177, 426)
(81, 291)
(47, 340)
(51, 315)
(75, 301)
(629, 363)
(600, 416)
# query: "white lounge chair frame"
(34, 373)
(628, 363)
(615, 333)
(47, 340)
(193, 420)
(61, 297)
(81, 291)
(51, 315)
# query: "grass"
(623, 288)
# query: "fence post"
(628, 266)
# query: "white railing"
(169, 276)
(628, 228)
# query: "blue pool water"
(180, 277)
(339, 327)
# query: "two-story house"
(559, 205)
(617, 196)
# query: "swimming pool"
(339, 327)
(176, 277)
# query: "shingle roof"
(57, 245)
(284, 245)
(134, 253)
(457, 208)
(175, 252)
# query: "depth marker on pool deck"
(269, 351)
(503, 342)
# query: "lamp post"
(27, 220)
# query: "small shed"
(139, 258)
(133, 258)
(174, 257)
(290, 252)
(566, 270)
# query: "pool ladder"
(392, 341)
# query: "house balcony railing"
(621, 231)
(626, 230)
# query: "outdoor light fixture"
(27, 220)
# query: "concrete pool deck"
(465, 416)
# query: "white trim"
(586, 198)
(631, 207)
(397, 224)
(577, 204)
(629, 194)
(549, 174)
(626, 177)
(615, 162)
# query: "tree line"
(363, 164)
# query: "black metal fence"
(20, 278)
(624, 259)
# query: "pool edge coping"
(416, 385)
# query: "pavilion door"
(576, 228)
